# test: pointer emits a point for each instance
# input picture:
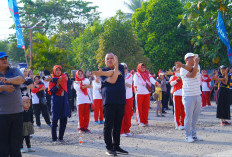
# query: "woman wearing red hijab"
(206, 88)
(60, 109)
(142, 86)
(82, 101)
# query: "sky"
(107, 8)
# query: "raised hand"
(197, 60)
(179, 64)
(59, 80)
(48, 79)
(115, 61)
(98, 73)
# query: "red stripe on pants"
(179, 110)
(126, 122)
(206, 98)
(143, 103)
(98, 109)
(84, 112)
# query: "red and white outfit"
(82, 103)
(97, 101)
(126, 122)
(142, 95)
(206, 92)
(179, 113)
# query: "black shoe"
(111, 152)
(119, 150)
(164, 112)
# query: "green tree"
(156, 26)
(200, 17)
(60, 15)
(4, 45)
(85, 46)
(119, 38)
(134, 4)
(46, 53)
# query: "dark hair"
(36, 77)
(46, 72)
(28, 81)
(67, 74)
(173, 68)
(222, 67)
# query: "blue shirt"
(11, 102)
(114, 94)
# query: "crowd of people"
(113, 93)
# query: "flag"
(223, 35)
(15, 15)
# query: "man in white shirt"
(191, 95)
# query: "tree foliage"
(4, 45)
(85, 46)
(46, 53)
(60, 15)
(156, 26)
(200, 17)
(119, 38)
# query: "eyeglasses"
(3, 58)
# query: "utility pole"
(31, 34)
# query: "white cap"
(190, 54)
(124, 64)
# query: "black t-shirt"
(224, 85)
(114, 94)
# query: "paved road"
(160, 139)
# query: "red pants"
(206, 98)
(126, 122)
(142, 108)
(83, 113)
(98, 109)
(179, 113)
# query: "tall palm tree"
(134, 4)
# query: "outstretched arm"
(186, 67)
(103, 73)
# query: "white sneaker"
(30, 150)
(129, 134)
(197, 139)
(181, 127)
(141, 124)
(123, 135)
(22, 150)
(189, 139)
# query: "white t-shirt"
(191, 86)
(96, 90)
(81, 97)
(141, 84)
(129, 80)
(205, 87)
(46, 83)
(34, 98)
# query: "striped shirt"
(191, 86)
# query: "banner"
(223, 35)
(15, 15)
